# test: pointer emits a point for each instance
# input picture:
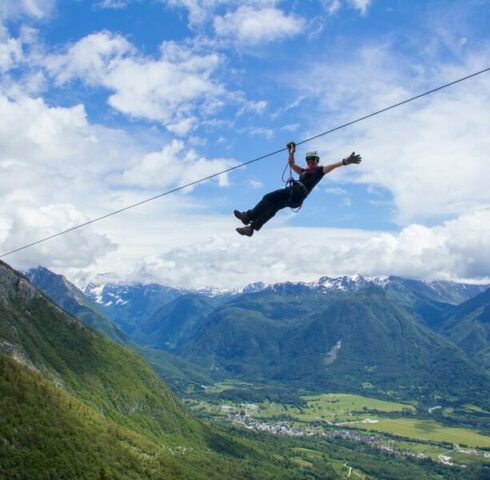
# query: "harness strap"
(292, 182)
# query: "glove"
(291, 146)
(352, 158)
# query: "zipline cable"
(190, 184)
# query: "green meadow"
(465, 458)
(338, 407)
(427, 430)
(350, 411)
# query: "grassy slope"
(46, 432)
(113, 379)
(175, 371)
(49, 433)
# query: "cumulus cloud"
(58, 171)
(57, 145)
(429, 154)
(221, 258)
(361, 5)
(52, 159)
(169, 89)
(79, 248)
(201, 11)
(38, 9)
(10, 53)
(92, 58)
(74, 160)
(251, 26)
(173, 165)
(333, 6)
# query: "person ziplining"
(265, 210)
(295, 192)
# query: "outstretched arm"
(292, 148)
(352, 158)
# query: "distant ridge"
(130, 305)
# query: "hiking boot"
(248, 231)
(242, 216)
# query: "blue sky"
(109, 102)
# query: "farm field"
(354, 412)
(334, 408)
(427, 430)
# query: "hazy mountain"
(129, 305)
(428, 301)
(468, 325)
(172, 324)
(440, 291)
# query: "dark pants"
(273, 202)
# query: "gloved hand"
(352, 158)
(291, 146)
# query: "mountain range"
(131, 305)
(360, 341)
(337, 334)
(78, 399)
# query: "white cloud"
(205, 250)
(50, 160)
(430, 153)
(173, 165)
(10, 54)
(37, 137)
(201, 11)
(53, 159)
(114, 4)
(198, 10)
(38, 9)
(334, 6)
(78, 249)
(255, 184)
(91, 59)
(277, 253)
(171, 89)
(257, 107)
(58, 171)
(251, 26)
(361, 5)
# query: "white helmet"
(312, 156)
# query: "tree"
(103, 474)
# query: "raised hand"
(352, 158)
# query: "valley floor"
(392, 428)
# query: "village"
(244, 417)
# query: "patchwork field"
(364, 414)
(427, 430)
(333, 408)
